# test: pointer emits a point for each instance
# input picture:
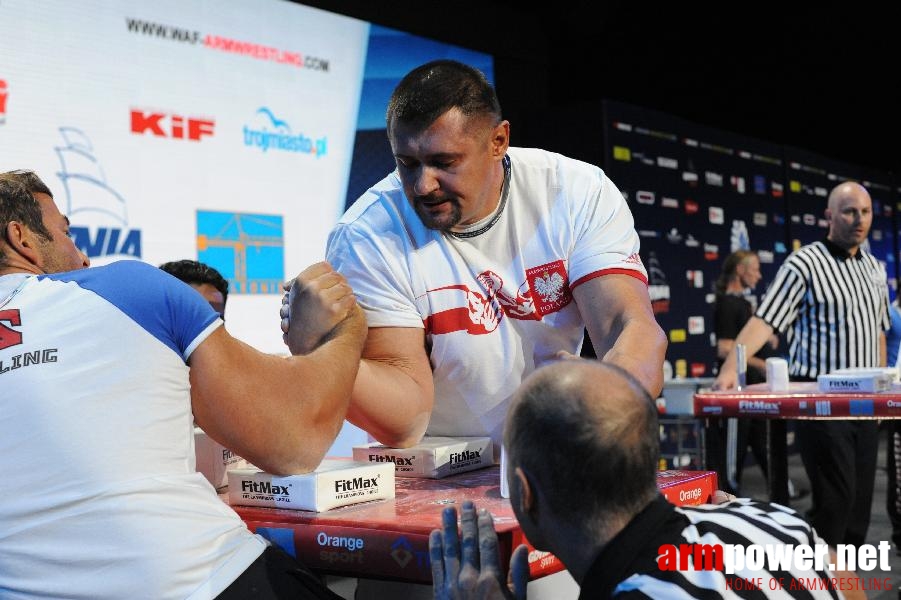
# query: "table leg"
(777, 453)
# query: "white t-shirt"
(497, 305)
(101, 498)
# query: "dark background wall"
(809, 90)
(817, 77)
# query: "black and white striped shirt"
(834, 306)
(628, 567)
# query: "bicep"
(402, 348)
(221, 384)
(606, 303)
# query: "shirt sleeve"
(783, 298)
(375, 266)
(168, 309)
(605, 238)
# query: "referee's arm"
(753, 335)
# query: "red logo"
(550, 287)
(4, 94)
(691, 207)
(10, 337)
(170, 125)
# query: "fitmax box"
(334, 483)
(432, 458)
(213, 460)
(856, 380)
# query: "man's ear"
(23, 241)
(500, 139)
(526, 493)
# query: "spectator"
(203, 278)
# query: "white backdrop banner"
(215, 129)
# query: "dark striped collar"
(632, 550)
(839, 252)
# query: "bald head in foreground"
(582, 443)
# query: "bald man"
(831, 297)
(596, 506)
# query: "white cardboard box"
(856, 380)
(432, 458)
(213, 460)
(334, 483)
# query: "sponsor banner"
(802, 400)
(189, 108)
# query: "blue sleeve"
(169, 309)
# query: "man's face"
(850, 217)
(213, 296)
(749, 272)
(59, 254)
(449, 171)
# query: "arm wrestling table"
(389, 539)
(800, 401)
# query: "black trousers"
(276, 575)
(840, 460)
(751, 433)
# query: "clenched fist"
(315, 302)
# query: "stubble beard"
(444, 221)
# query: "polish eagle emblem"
(549, 286)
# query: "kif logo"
(171, 125)
(4, 95)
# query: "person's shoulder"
(377, 207)
(124, 272)
(536, 169)
(537, 158)
(749, 510)
(801, 257)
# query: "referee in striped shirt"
(582, 444)
(832, 298)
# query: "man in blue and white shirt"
(99, 405)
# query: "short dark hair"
(192, 271)
(17, 203)
(432, 89)
(597, 458)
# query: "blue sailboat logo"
(89, 198)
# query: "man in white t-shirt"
(99, 404)
(476, 262)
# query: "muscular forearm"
(640, 349)
(281, 414)
(390, 404)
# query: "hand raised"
(468, 566)
(315, 302)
